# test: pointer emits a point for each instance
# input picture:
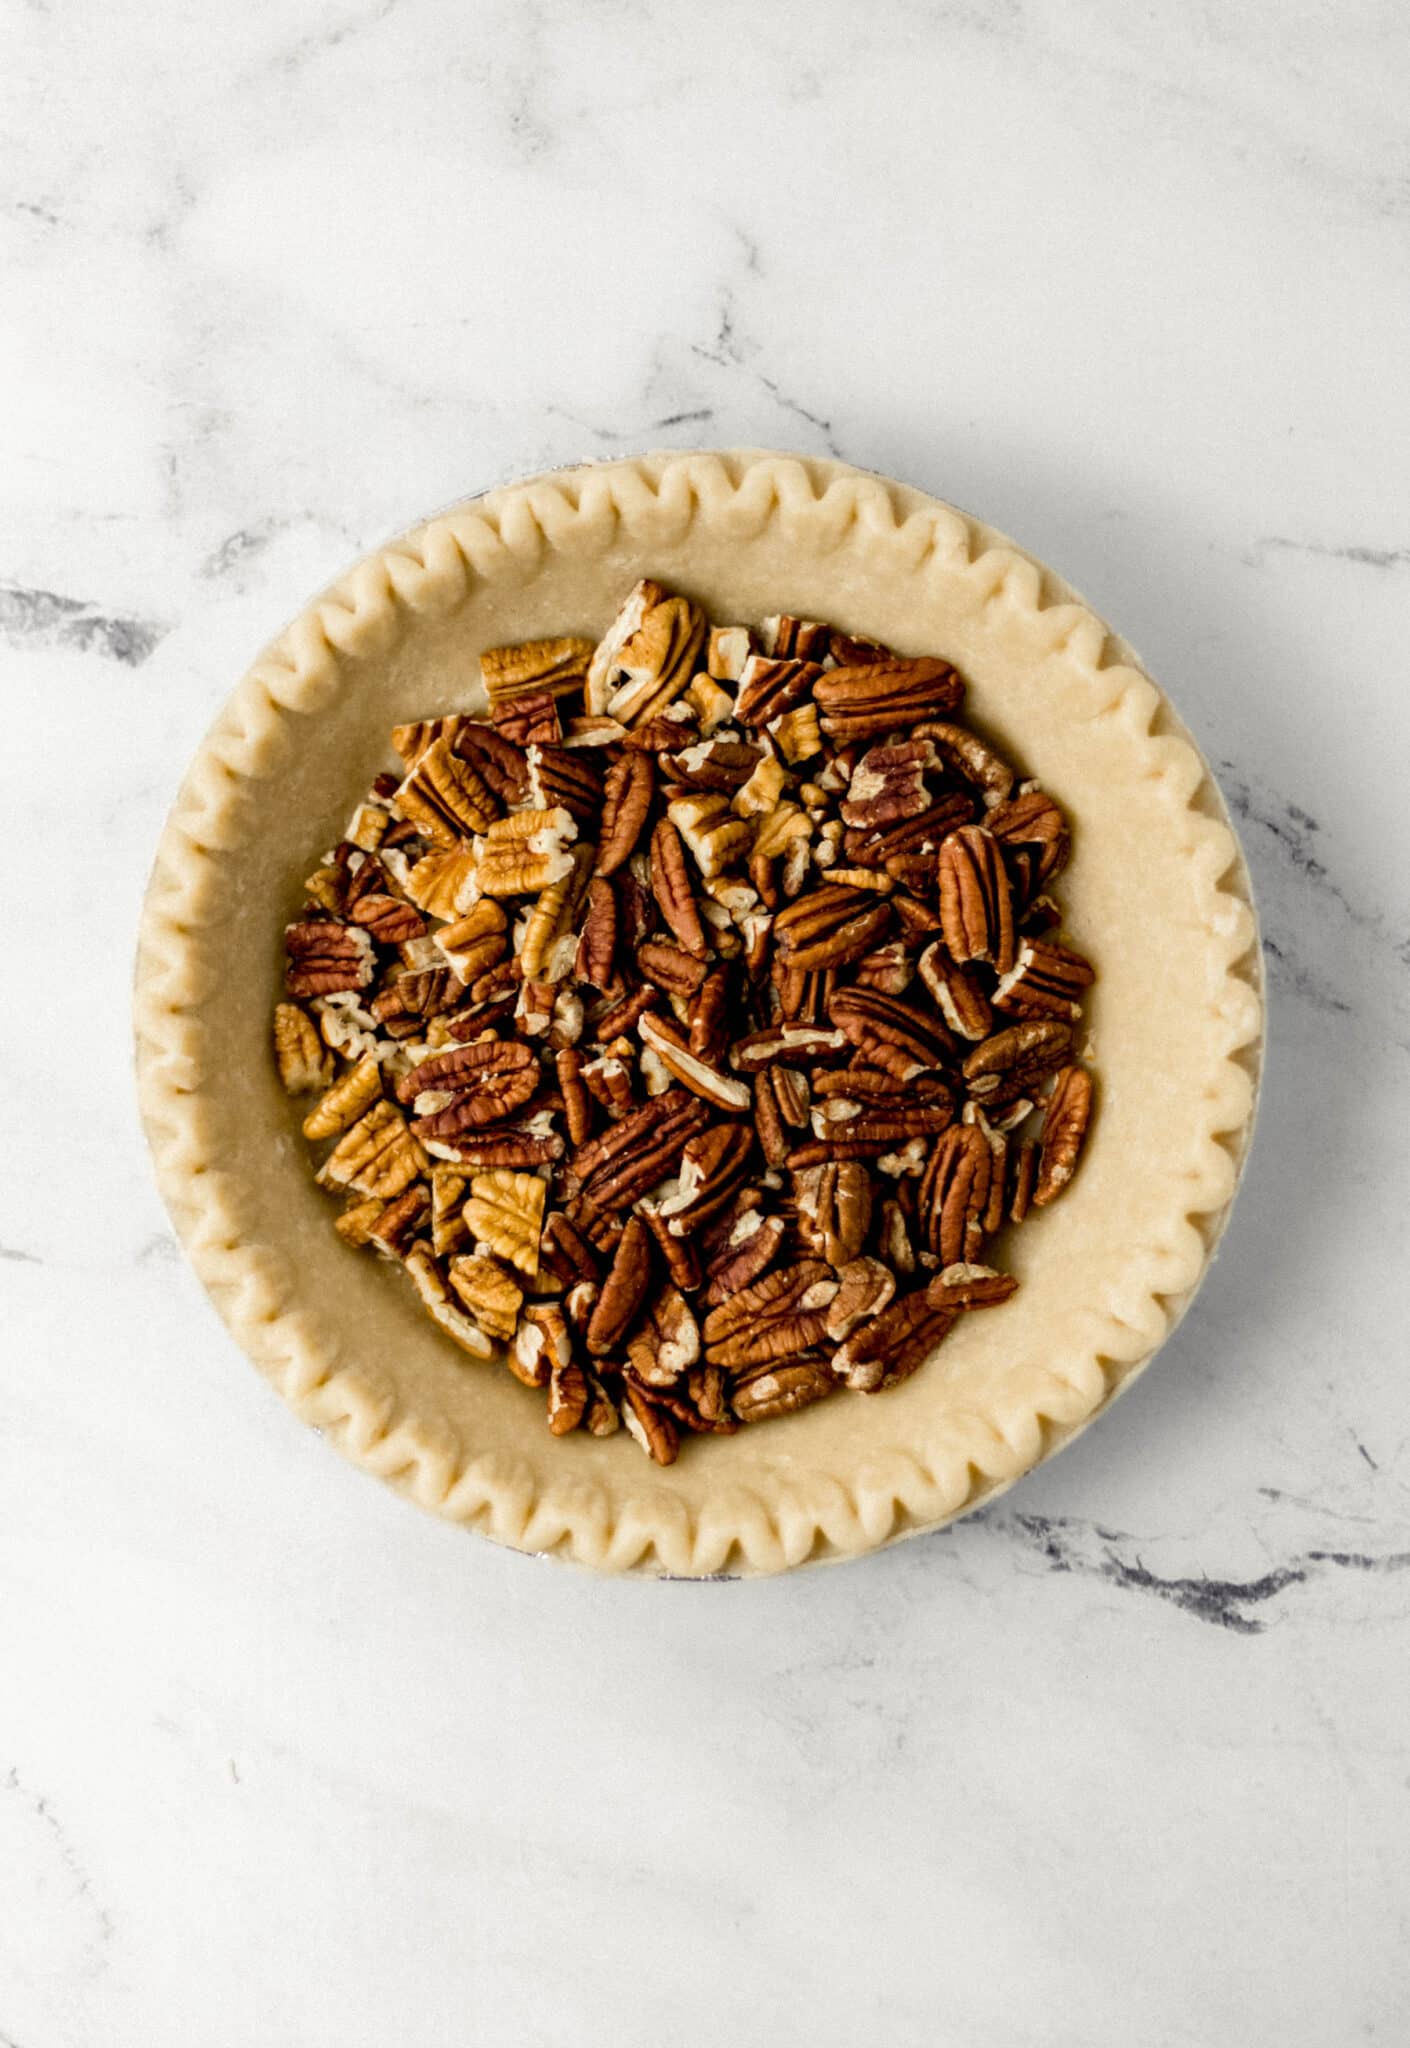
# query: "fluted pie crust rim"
(1157, 894)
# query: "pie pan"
(1156, 895)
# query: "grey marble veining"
(1121, 1758)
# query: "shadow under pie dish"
(1154, 894)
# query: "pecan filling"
(688, 1027)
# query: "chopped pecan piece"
(721, 1091)
(1032, 821)
(649, 1423)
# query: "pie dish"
(1156, 890)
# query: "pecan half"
(1065, 1121)
(857, 703)
(766, 1391)
(965, 754)
(780, 1314)
(626, 801)
(670, 885)
(667, 1342)
(768, 688)
(865, 1286)
(540, 668)
(679, 973)
(976, 908)
(721, 1091)
(754, 1242)
(712, 1164)
(889, 1348)
(325, 958)
(954, 1194)
(869, 1020)
(1012, 1062)
(623, 1291)
(833, 1205)
(829, 927)
(650, 1425)
(1046, 980)
(303, 1061)
(445, 796)
(1032, 821)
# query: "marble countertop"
(1122, 1760)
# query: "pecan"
(1046, 980)
(448, 1231)
(797, 734)
(648, 656)
(848, 650)
(325, 958)
(565, 1256)
(667, 1341)
(1032, 821)
(957, 993)
(529, 721)
(727, 650)
(567, 1398)
(969, 1286)
(829, 928)
(601, 1417)
(775, 1317)
(893, 1238)
(358, 1220)
(766, 1391)
(870, 1020)
(845, 1129)
(879, 696)
(721, 1091)
(678, 1253)
(399, 1224)
(299, 1052)
(865, 1286)
(976, 908)
(542, 1344)
(973, 759)
(498, 1145)
(753, 1243)
(954, 1194)
(597, 944)
(890, 1347)
(803, 639)
(608, 1080)
(680, 974)
(577, 1104)
(442, 882)
(888, 785)
(889, 970)
(833, 1205)
(505, 1211)
(623, 1291)
(709, 1021)
(476, 942)
(1022, 1179)
(649, 1424)
(670, 885)
(535, 668)
(483, 1084)
(446, 797)
(526, 851)
(350, 1097)
(411, 741)
(1012, 1062)
(721, 766)
(710, 829)
(488, 1292)
(788, 1045)
(712, 1164)
(1065, 1121)
(626, 800)
(916, 839)
(378, 1156)
(768, 1122)
(626, 1162)
(768, 688)
(501, 766)
(390, 921)
(423, 993)
(435, 1296)
(561, 779)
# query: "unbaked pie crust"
(1156, 894)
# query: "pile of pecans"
(686, 1027)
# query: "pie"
(1155, 894)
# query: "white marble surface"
(1122, 1761)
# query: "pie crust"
(1156, 894)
